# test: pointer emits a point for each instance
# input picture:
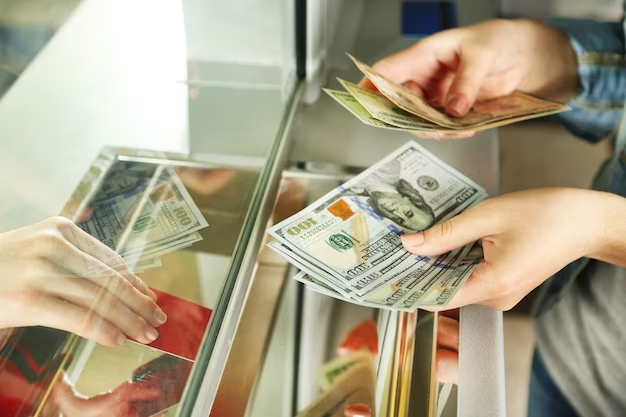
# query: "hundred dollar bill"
(353, 233)
(408, 293)
(318, 285)
(143, 264)
(452, 264)
(147, 212)
(313, 274)
(484, 114)
(389, 295)
(163, 247)
(447, 287)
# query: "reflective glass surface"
(151, 128)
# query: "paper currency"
(143, 211)
(347, 244)
(383, 111)
(399, 107)
(513, 107)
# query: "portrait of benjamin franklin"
(395, 199)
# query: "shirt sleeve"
(598, 104)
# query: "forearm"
(610, 243)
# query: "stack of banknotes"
(397, 107)
(347, 244)
(143, 211)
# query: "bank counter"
(214, 110)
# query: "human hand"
(117, 403)
(54, 274)
(527, 237)
(456, 67)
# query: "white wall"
(111, 76)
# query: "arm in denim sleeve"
(599, 101)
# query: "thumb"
(463, 91)
(457, 232)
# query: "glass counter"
(175, 133)
(149, 103)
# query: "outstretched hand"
(54, 274)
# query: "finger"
(436, 90)
(93, 250)
(367, 84)
(486, 286)
(465, 228)
(53, 312)
(105, 304)
(421, 61)
(68, 257)
(447, 366)
(448, 333)
(463, 91)
(442, 136)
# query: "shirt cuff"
(599, 101)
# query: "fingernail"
(457, 106)
(121, 339)
(152, 335)
(159, 316)
(357, 410)
(436, 102)
(413, 239)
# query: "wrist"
(609, 244)
(551, 63)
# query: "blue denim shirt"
(596, 112)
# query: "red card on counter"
(182, 333)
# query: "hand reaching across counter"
(54, 274)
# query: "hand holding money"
(476, 75)
(347, 244)
(54, 274)
(457, 67)
(527, 237)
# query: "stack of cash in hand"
(347, 244)
(143, 211)
(397, 107)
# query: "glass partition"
(174, 115)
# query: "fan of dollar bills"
(347, 244)
(400, 108)
(143, 211)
